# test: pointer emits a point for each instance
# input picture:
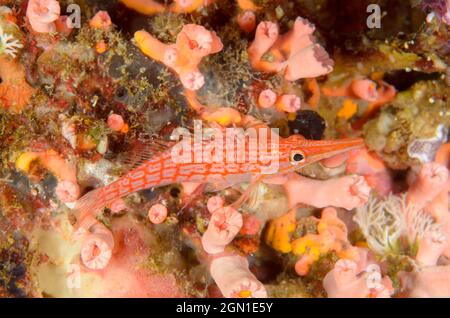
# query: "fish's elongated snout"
(316, 150)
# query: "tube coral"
(349, 192)
(157, 213)
(431, 179)
(232, 275)
(214, 203)
(289, 103)
(369, 165)
(247, 21)
(193, 43)
(223, 226)
(431, 247)
(305, 58)
(43, 14)
(433, 281)
(345, 281)
(267, 98)
(97, 246)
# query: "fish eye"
(297, 157)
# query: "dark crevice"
(403, 80)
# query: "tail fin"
(88, 206)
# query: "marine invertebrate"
(116, 123)
(214, 203)
(331, 236)
(148, 7)
(67, 189)
(187, 6)
(267, 98)
(234, 279)
(417, 114)
(439, 8)
(424, 149)
(15, 92)
(382, 223)
(353, 191)
(42, 15)
(305, 58)
(427, 185)
(194, 42)
(99, 124)
(97, 246)
(365, 89)
(157, 213)
(101, 20)
(431, 247)
(224, 225)
(247, 21)
(151, 7)
(117, 206)
(224, 116)
(368, 164)
(8, 44)
(386, 222)
(289, 103)
(376, 94)
(433, 281)
(346, 280)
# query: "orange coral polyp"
(147, 7)
(101, 20)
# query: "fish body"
(286, 155)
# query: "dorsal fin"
(142, 151)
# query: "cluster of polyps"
(230, 271)
(193, 43)
(421, 215)
(357, 280)
(289, 103)
(8, 44)
(296, 53)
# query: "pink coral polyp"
(42, 14)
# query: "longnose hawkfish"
(162, 169)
